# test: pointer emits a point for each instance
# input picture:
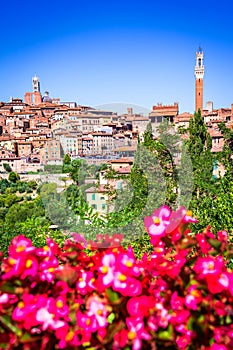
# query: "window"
(102, 198)
(103, 206)
(93, 196)
(94, 206)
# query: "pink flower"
(140, 306)
(157, 223)
(177, 303)
(218, 347)
(208, 266)
(49, 312)
(85, 282)
(193, 298)
(26, 309)
(97, 308)
(47, 268)
(179, 316)
(184, 341)
(120, 339)
(203, 244)
(127, 286)
(20, 244)
(136, 332)
(62, 309)
(107, 269)
(222, 236)
(79, 239)
(217, 283)
(47, 320)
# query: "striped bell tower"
(199, 75)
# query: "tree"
(13, 177)
(78, 171)
(148, 135)
(199, 145)
(66, 163)
(226, 156)
(7, 167)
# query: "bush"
(99, 296)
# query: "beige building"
(98, 199)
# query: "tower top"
(35, 84)
(199, 75)
(199, 67)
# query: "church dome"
(46, 97)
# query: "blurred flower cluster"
(82, 296)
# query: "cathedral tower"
(199, 75)
(35, 84)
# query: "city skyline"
(107, 53)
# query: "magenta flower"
(120, 339)
(140, 306)
(47, 320)
(20, 244)
(77, 237)
(193, 298)
(208, 266)
(136, 332)
(218, 347)
(217, 283)
(157, 223)
(85, 282)
(107, 269)
(203, 244)
(177, 302)
(96, 307)
(184, 341)
(127, 286)
(48, 313)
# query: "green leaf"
(214, 243)
(7, 322)
(112, 296)
(167, 334)
(27, 338)
(111, 317)
(8, 287)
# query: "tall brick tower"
(199, 75)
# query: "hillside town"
(39, 130)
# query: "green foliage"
(225, 157)
(36, 229)
(53, 169)
(13, 177)
(66, 163)
(212, 199)
(199, 146)
(7, 167)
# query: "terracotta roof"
(122, 160)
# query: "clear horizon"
(99, 53)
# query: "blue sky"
(133, 52)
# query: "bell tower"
(35, 84)
(199, 75)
